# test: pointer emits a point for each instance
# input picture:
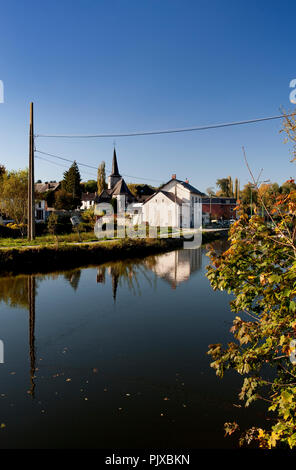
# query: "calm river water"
(115, 357)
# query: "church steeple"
(115, 171)
(115, 176)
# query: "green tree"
(52, 225)
(2, 171)
(236, 189)
(14, 197)
(65, 200)
(249, 197)
(288, 186)
(89, 186)
(71, 181)
(101, 181)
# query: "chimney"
(174, 176)
(187, 181)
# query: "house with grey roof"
(44, 199)
(175, 204)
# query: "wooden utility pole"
(31, 188)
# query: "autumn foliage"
(259, 270)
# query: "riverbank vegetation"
(50, 258)
(259, 270)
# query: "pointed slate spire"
(115, 171)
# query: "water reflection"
(139, 368)
(174, 267)
(31, 302)
(177, 266)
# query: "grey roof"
(169, 195)
(120, 188)
(88, 196)
(44, 187)
(188, 186)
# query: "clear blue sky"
(93, 66)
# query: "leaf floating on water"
(12, 373)
(166, 398)
(95, 370)
(68, 380)
(2, 425)
(127, 394)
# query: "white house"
(44, 199)
(176, 204)
(88, 200)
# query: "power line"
(90, 166)
(63, 166)
(166, 131)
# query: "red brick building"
(218, 208)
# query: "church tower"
(115, 176)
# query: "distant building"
(88, 200)
(218, 208)
(44, 199)
(175, 204)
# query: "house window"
(39, 214)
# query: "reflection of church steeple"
(73, 277)
(115, 280)
(31, 302)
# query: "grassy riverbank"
(44, 255)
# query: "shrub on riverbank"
(50, 258)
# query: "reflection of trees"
(126, 273)
(73, 277)
(14, 291)
(20, 291)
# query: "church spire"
(115, 171)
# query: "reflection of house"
(177, 266)
(175, 204)
(44, 199)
